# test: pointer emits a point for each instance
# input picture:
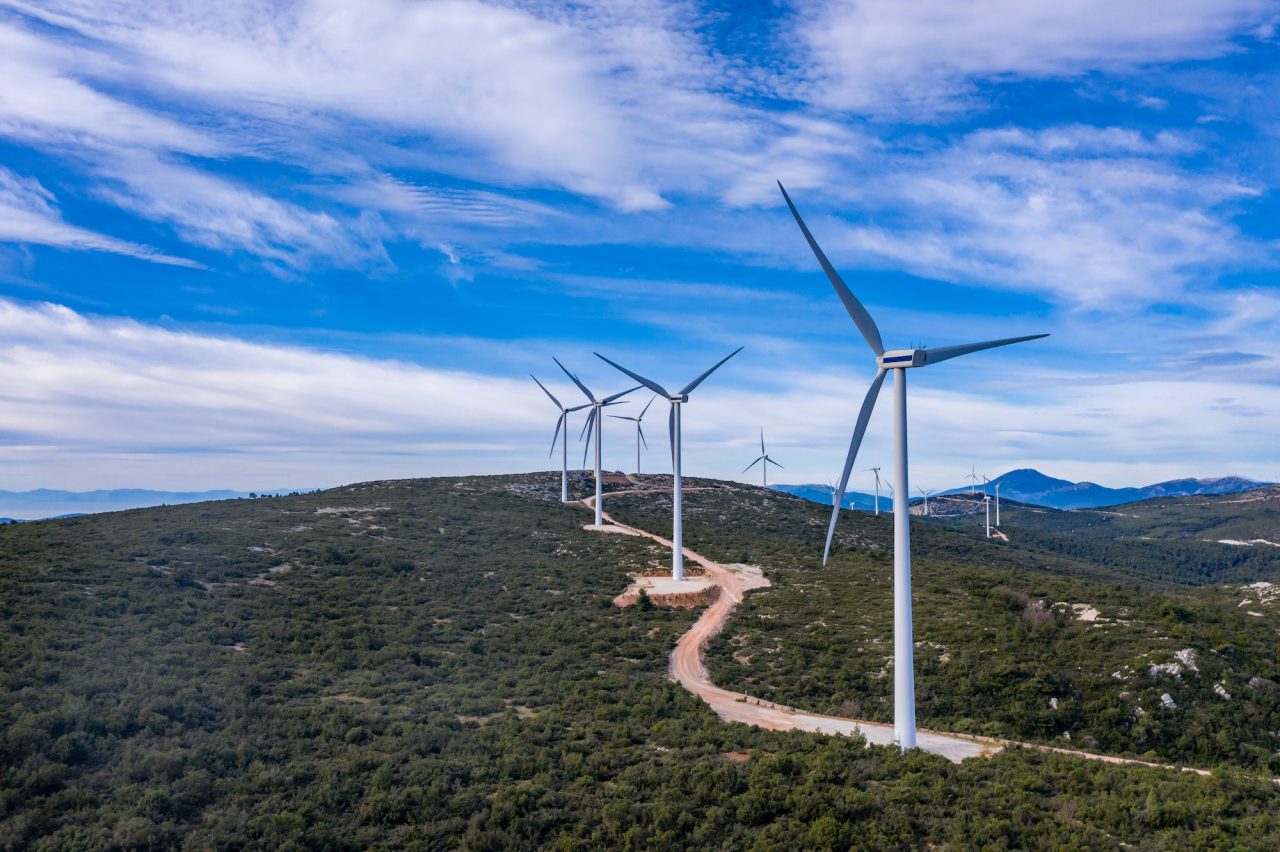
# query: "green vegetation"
(1001, 650)
(436, 664)
(1172, 539)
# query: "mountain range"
(54, 503)
(1027, 485)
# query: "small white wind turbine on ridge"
(673, 426)
(764, 461)
(594, 422)
(899, 361)
(639, 430)
(877, 472)
(561, 421)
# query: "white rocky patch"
(1053, 703)
(1167, 701)
(1266, 592)
(1220, 689)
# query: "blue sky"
(295, 244)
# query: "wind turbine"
(764, 461)
(927, 495)
(639, 431)
(973, 477)
(986, 499)
(998, 504)
(898, 360)
(594, 421)
(877, 472)
(673, 425)
(561, 421)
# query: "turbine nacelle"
(896, 358)
(679, 397)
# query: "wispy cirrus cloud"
(29, 214)
(1092, 217)
(917, 58)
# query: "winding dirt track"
(688, 669)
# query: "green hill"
(436, 664)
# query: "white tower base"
(904, 682)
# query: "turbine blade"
(591, 421)
(753, 464)
(646, 407)
(772, 462)
(762, 442)
(608, 400)
(587, 425)
(560, 421)
(547, 392)
(578, 407)
(864, 417)
(621, 417)
(575, 378)
(641, 431)
(946, 353)
(861, 318)
(687, 389)
(651, 385)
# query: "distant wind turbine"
(973, 477)
(595, 421)
(997, 484)
(927, 495)
(900, 360)
(673, 426)
(764, 461)
(877, 471)
(639, 430)
(561, 421)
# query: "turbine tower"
(561, 421)
(986, 499)
(639, 430)
(764, 461)
(673, 426)
(997, 484)
(594, 422)
(899, 361)
(877, 470)
(972, 476)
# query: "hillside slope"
(1012, 641)
(437, 663)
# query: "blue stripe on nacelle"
(897, 358)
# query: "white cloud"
(920, 57)
(157, 407)
(29, 214)
(99, 402)
(1086, 217)
(214, 212)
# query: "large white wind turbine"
(899, 361)
(561, 421)
(764, 461)
(639, 430)
(673, 426)
(595, 421)
(877, 472)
